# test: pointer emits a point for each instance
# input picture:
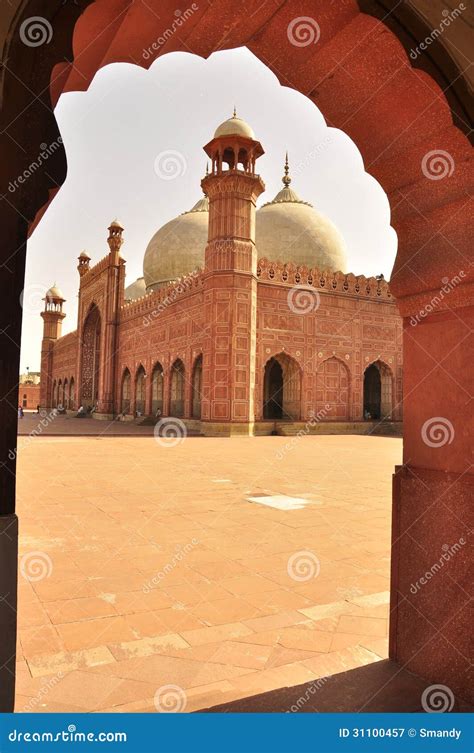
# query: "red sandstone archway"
(177, 377)
(90, 358)
(282, 388)
(361, 79)
(125, 392)
(196, 388)
(140, 391)
(157, 390)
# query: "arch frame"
(424, 217)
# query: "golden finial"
(286, 178)
(207, 169)
(235, 112)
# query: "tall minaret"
(53, 316)
(230, 267)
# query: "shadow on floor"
(379, 687)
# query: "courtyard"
(170, 576)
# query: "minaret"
(232, 187)
(83, 263)
(52, 316)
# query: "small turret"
(115, 239)
(83, 265)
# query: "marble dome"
(291, 230)
(178, 247)
(135, 290)
(234, 126)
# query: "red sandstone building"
(244, 318)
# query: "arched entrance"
(332, 390)
(197, 385)
(177, 389)
(90, 359)
(125, 392)
(54, 397)
(72, 394)
(59, 395)
(140, 392)
(377, 391)
(157, 390)
(66, 394)
(282, 389)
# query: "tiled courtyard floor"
(144, 566)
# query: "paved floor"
(150, 582)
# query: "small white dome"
(54, 292)
(234, 126)
(135, 290)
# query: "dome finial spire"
(286, 178)
(234, 115)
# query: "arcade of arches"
(433, 220)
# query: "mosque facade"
(245, 321)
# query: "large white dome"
(177, 248)
(291, 230)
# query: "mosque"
(245, 321)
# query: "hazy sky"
(115, 133)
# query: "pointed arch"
(65, 394)
(90, 357)
(140, 391)
(54, 396)
(282, 388)
(378, 391)
(72, 394)
(177, 389)
(157, 390)
(125, 392)
(196, 388)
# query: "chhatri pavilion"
(246, 320)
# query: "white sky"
(114, 132)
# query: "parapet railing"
(292, 274)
